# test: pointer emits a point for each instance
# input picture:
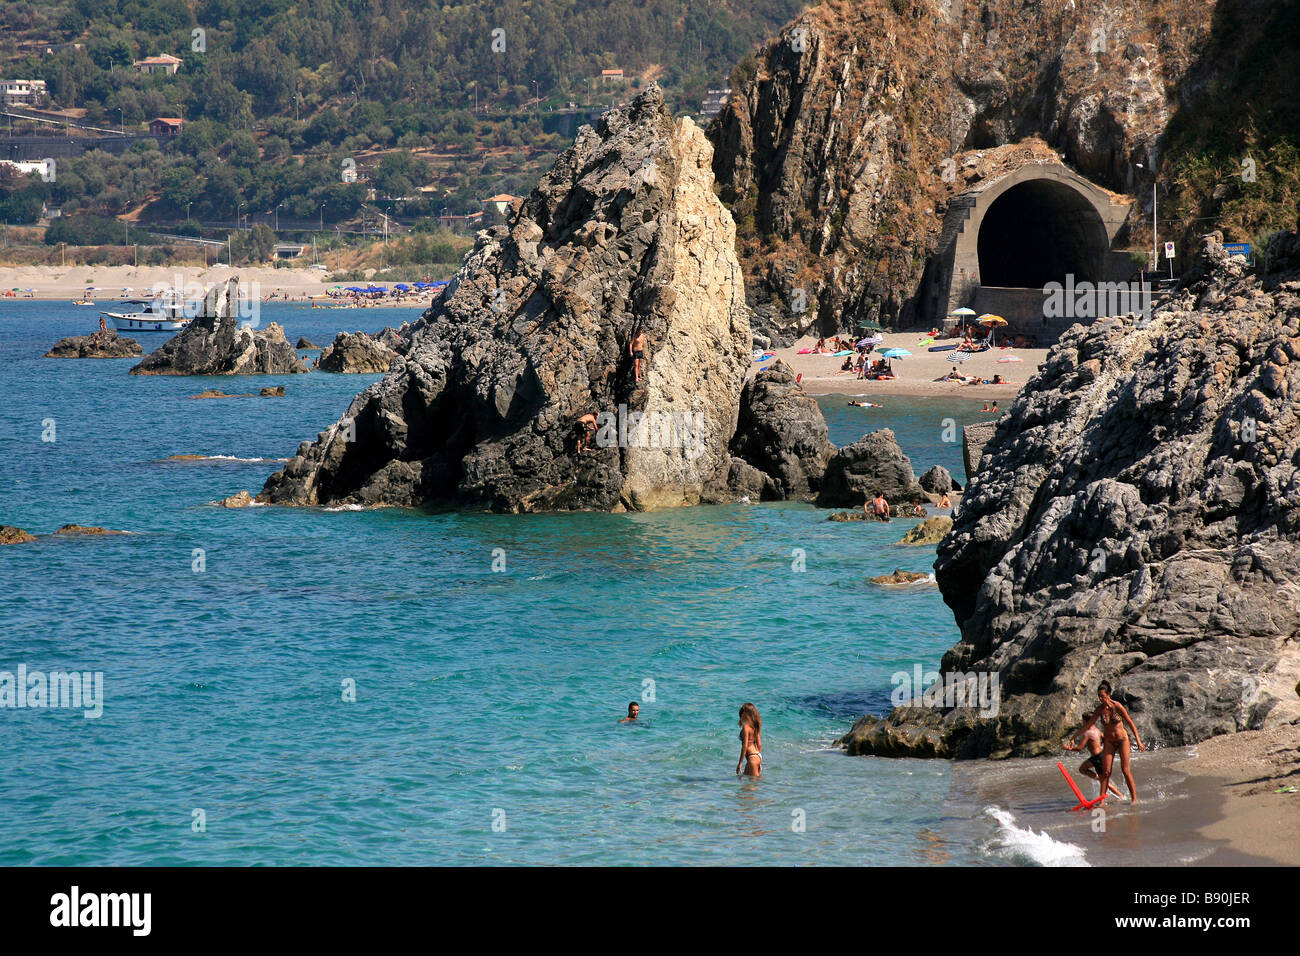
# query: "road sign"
(1237, 249)
(1169, 250)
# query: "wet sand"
(1212, 804)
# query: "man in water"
(864, 405)
(879, 507)
(633, 709)
(1091, 767)
(994, 409)
(636, 348)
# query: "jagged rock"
(275, 391)
(973, 439)
(901, 511)
(782, 433)
(305, 343)
(356, 352)
(241, 499)
(77, 529)
(215, 342)
(1136, 520)
(399, 339)
(899, 577)
(624, 232)
(223, 347)
(11, 535)
(938, 481)
(930, 531)
(98, 345)
(872, 463)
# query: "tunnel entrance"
(1037, 232)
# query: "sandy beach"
(918, 374)
(113, 283)
(1249, 769)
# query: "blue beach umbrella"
(896, 353)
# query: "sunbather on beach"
(1092, 743)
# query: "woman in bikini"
(751, 741)
(1113, 716)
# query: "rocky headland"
(1135, 517)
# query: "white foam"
(1023, 845)
(347, 508)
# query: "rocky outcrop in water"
(11, 535)
(358, 353)
(929, 531)
(216, 342)
(938, 481)
(872, 463)
(623, 234)
(101, 344)
(782, 433)
(305, 344)
(1136, 520)
(91, 530)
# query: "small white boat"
(159, 315)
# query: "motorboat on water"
(158, 315)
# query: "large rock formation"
(356, 352)
(850, 132)
(216, 342)
(782, 433)
(1136, 519)
(623, 234)
(872, 463)
(101, 344)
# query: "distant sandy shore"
(53, 283)
(918, 374)
(1249, 768)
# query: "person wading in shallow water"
(1113, 716)
(1091, 767)
(751, 742)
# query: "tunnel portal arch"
(1020, 231)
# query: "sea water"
(300, 686)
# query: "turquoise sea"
(484, 727)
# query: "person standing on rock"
(636, 348)
(1113, 716)
(1091, 767)
(751, 741)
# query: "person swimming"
(751, 741)
(633, 711)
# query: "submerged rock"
(782, 433)
(356, 352)
(930, 531)
(77, 529)
(98, 345)
(872, 463)
(241, 499)
(623, 235)
(11, 535)
(1136, 519)
(274, 391)
(900, 577)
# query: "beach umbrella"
(959, 357)
(962, 311)
(872, 340)
(402, 285)
(990, 319)
(896, 353)
(1011, 358)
